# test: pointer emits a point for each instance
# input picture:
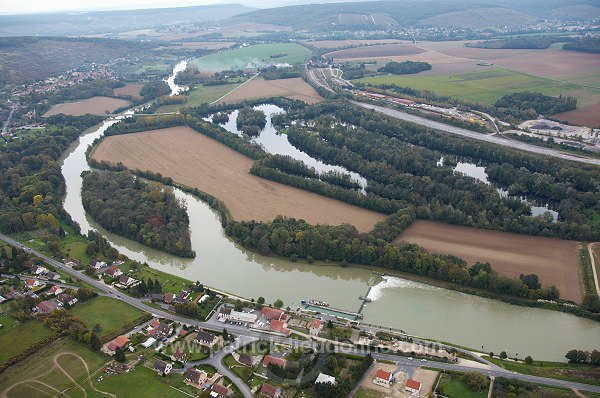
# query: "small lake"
(478, 172)
(278, 144)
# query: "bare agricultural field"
(376, 51)
(553, 260)
(295, 88)
(195, 160)
(132, 89)
(94, 105)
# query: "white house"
(382, 378)
(323, 378)
(315, 327)
(413, 387)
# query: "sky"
(29, 6)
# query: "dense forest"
(148, 213)
(527, 105)
(524, 42)
(31, 183)
(404, 68)
(251, 121)
(585, 44)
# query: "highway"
(494, 139)
(247, 335)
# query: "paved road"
(494, 139)
(594, 269)
(244, 333)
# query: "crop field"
(201, 95)
(94, 105)
(259, 55)
(553, 260)
(110, 314)
(486, 86)
(295, 88)
(348, 43)
(15, 338)
(197, 161)
(209, 45)
(132, 89)
(64, 365)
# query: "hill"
(24, 59)
(88, 23)
(414, 12)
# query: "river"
(417, 308)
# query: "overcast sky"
(27, 6)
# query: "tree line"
(528, 105)
(148, 213)
(405, 67)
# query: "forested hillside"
(148, 213)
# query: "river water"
(276, 143)
(176, 89)
(415, 307)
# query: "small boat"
(319, 303)
(365, 299)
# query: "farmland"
(195, 160)
(376, 51)
(111, 315)
(201, 95)
(259, 55)
(16, 337)
(49, 371)
(486, 86)
(132, 89)
(295, 88)
(94, 105)
(553, 260)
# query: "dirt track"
(198, 161)
(295, 88)
(553, 260)
(94, 105)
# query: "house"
(46, 307)
(280, 327)
(206, 338)
(382, 378)
(127, 281)
(66, 300)
(182, 297)
(224, 314)
(53, 276)
(315, 327)
(38, 270)
(113, 271)
(218, 390)
(195, 377)
(162, 368)
(149, 342)
(270, 391)
(120, 343)
(99, 264)
(73, 262)
(14, 295)
(160, 331)
(244, 317)
(270, 359)
(2, 299)
(413, 387)
(323, 378)
(273, 313)
(32, 283)
(169, 298)
(54, 291)
(118, 262)
(249, 360)
(179, 356)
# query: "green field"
(41, 367)
(141, 382)
(16, 337)
(453, 387)
(484, 87)
(258, 54)
(366, 393)
(200, 95)
(112, 315)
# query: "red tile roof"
(220, 389)
(415, 385)
(316, 324)
(269, 390)
(269, 359)
(279, 326)
(272, 313)
(119, 342)
(382, 374)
